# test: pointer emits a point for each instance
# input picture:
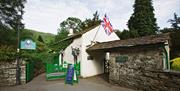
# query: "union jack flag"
(107, 25)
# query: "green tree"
(77, 26)
(91, 22)
(40, 39)
(175, 23)
(95, 16)
(8, 37)
(125, 34)
(62, 34)
(26, 34)
(11, 12)
(71, 22)
(142, 22)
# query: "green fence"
(56, 71)
(29, 71)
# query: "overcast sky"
(46, 15)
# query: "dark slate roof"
(153, 39)
(82, 32)
(74, 36)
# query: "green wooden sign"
(121, 59)
(28, 44)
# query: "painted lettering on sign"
(28, 44)
(70, 74)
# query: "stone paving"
(39, 83)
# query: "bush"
(175, 64)
(7, 53)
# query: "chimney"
(70, 32)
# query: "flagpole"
(96, 33)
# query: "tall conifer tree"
(143, 21)
(11, 12)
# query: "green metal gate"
(29, 71)
(56, 71)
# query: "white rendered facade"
(94, 66)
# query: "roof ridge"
(152, 39)
(78, 34)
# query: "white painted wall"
(94, 67)
(89, 67)
(68, 57)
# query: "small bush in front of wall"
(175, 64)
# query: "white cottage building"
(83, 40)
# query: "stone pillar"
(8, 72)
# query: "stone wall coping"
(8, 68)
(173, 72)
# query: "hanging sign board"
(28, 44)
(70, 74)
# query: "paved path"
(90, 84)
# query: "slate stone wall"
(143, 70)
(8, 73)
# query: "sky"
(46, 15)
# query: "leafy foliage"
(40, 39)
(8, 46)
(175, 64)
(42, 51)
(61, 35)
(175, 23)
(91, 22)
(7, 53)
(175, 43)
(77, 25)
(47, 37)
(11, 12)
(8, 37)
(166, 30)
(142, 22)
(71, 22)
(125, 34)
(32, 55)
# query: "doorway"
(106, 66)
